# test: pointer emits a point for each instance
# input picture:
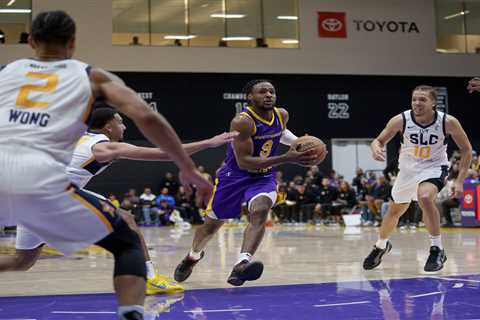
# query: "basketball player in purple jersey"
(247, 176)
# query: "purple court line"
(413, 298)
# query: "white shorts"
(406, 185)
(27, 239)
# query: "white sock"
(195, 255)
(381, 243)
(122, 310)
(436, 241)
(150, 270)
(244, 256)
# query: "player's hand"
(457, 190)
(474, 85)
(193, 178)
(221, 139)
(378, 153)
(304, 158)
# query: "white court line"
(425, 294)
(17, 319)
(84, 312)
(457, 279)
(340, 304)
(218, 310)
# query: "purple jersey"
(266, 139)
(235, 186)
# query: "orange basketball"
(310, 142)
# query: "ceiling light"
(15, 10)
(228, 15)
(2, 36)
(10, 3)
(287, 17)
(171, 37)
(290, 41)
(237, 38)
(458, 14)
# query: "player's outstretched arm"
(377, 146)
(243, 148)
(153, 125)
(109, 151)
(455, 130)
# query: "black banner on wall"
(327, 106)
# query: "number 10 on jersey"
(422, 152)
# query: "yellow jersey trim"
(86, 163)
(92, 208)
(262, 119)
(280, 118)
(254, 125)
(210, 202)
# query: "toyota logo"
(332, 24)
(468, 199)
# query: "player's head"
(261, 94)
(424, 100)
(54, 32)
(109, 122)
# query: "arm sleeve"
(287, 137)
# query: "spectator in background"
(23, 37)
(325, 197)
(113, 199)
(169, 182)
(305, 203)
(359, 182)
(186, 206)
(165, 196)
(346, 197)
(446, 202)
(280, 209)
(164, 211)
(279, 177)
(134, 202)
(135, 41)
(147, 202)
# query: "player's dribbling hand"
(304, 158)
(221, 139)
(378, 153)
(474, 85)
(457, 190)
(204, 188)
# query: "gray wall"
(362, 52)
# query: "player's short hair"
(53, 27)
(249, 86)
(431, 91)
(101, 116)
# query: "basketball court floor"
(310, 273)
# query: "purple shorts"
(233, 190)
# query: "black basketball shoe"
(245, 271)
(374, 259)
(435, 260)
(133, 315)
(185, 268)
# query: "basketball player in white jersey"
(94, 152)
(44, 104)
(423, 165)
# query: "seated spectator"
(185, 204)
(169, 181)
(113, 199)
(147, 202)
(280, 210)
(134, 201)
(347, 198)
(446, 202)
(164, 210)
(165, 196)
(305, 203)
(324, 199)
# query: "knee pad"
(124, 244)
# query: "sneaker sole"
(379, 260)
(252, 272)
